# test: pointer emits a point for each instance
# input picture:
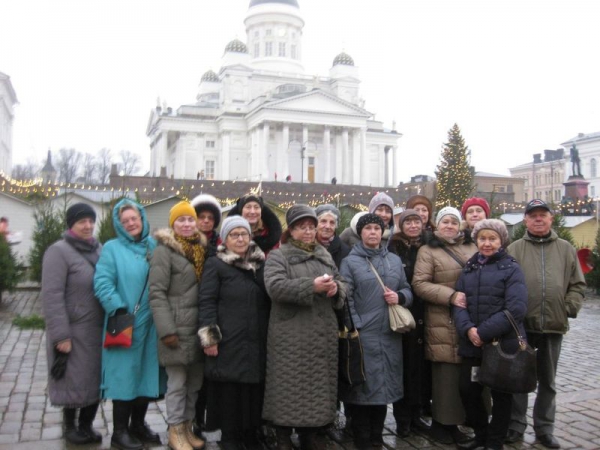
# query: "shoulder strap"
(376, 274)
(453, 256)
(512, 321)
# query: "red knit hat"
(475, 201)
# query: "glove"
(171, 341)
(59, 366)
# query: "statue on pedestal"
(575, 162)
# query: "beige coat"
(435, 275)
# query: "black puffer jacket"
(338, 250)
(269, 238)
(491, 288)
(233, 298)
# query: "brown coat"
(435, 275)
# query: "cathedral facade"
(262, 118)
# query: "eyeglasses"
(236, 236)
(307, 229)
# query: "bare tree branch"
(130, 162)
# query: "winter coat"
(268, 238)
(234, 305)
(491, 288)
(120, 281)
(71, 311)
(555, 283)
(435, 275)
(338, 250)
(174, 299)
(382, 347)
(214, 240)
(302, 344)
(413, 341)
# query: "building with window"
(543, 178)
(261, 117)
(588, 146)
(8, 99)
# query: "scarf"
(306, 246)
(194, 252)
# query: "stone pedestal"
(576, 188)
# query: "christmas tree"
(454, 174)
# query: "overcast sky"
(518, 76)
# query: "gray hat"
(233, 222)
(447, 211)
(381, 198)
(297, 212)
(494, 225)
(327, 208)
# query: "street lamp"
(302, 150)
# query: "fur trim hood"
(252, 262)
(268, 240)
(166, 237)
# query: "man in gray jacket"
(555, 286)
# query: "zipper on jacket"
(543, 311)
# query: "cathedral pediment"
(317, 101)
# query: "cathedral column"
(253, 157)
(304, 155)
(356, 156)
(364, 159)
(284, 161)
(339, 167)
(264, 152)
(395, 165)
(225, 156)
(346, 175)
(327, 156)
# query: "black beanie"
(367, 219)
(79, 211)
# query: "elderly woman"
(424, 208)
(74, 320)
(234, 316)
(473, 210)
(407, 410)
(438, 266)
(175, 271)
(492, 282)
(130, 376)
(266, 228)
(328, 217)
(302, 348)
(368, 301)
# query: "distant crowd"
(236, 323)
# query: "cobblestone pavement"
(28, 420)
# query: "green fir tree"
(49, 227)
(11, 270)
(454, 173)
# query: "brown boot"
(194, 441)
(283, 438)
(177, 437)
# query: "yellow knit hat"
(181, 209)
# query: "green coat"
(302, 343)
(555, 283)
(174, 300)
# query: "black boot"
(121, 438)
(284, 441)
(70, 431)
(86, 420)
(139, 428)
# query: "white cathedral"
(262, 118)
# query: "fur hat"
(182, 208)
(206, 202)
(233, 222)
(475, 201)
(248, 198)
(297, 212)
(77, 212)
(494, 225)
(327, 208)
(420, 200)
(381, 198)
(404, 215)
(366, 220)
(447, 211)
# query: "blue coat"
(490, 288)
(121, 275)
(381, 346)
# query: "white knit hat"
(447, 211)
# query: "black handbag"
(512, 373)
(351, 363)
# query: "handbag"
(351, 358)
(401, 319)
(512, 373)
(119, 328)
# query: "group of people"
(238, 328)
